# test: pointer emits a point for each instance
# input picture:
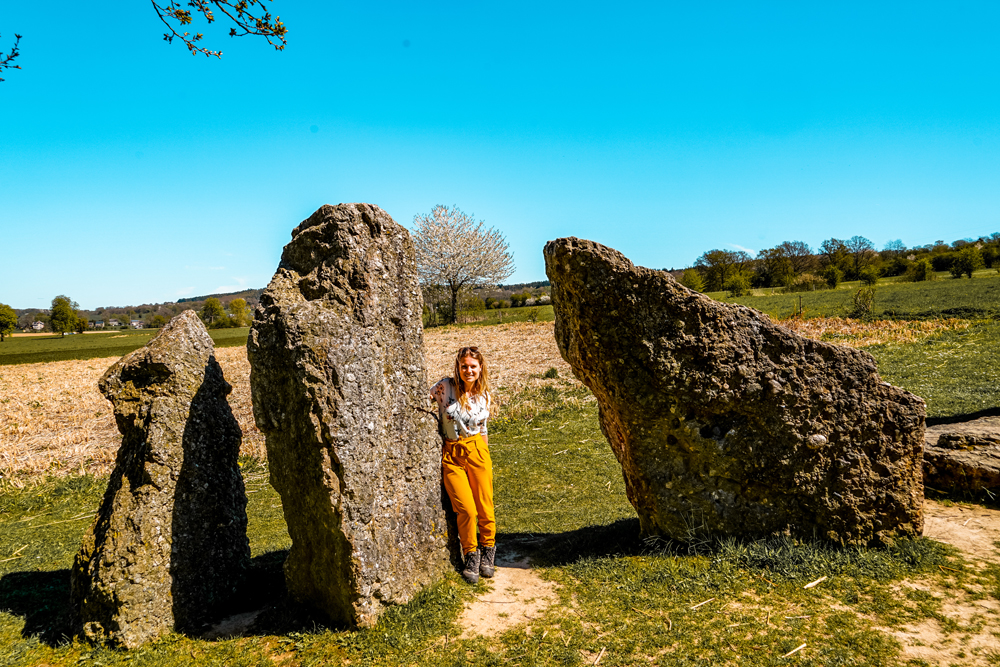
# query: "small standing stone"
(169, 543)
(339, 390)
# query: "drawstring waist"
(465, 446)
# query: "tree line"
(794, 266)
(65, 316)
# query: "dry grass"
(54, 421)
(517, 354)
(857, 333)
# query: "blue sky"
(132, 172)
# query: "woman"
(464, 406)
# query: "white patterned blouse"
(457, 422)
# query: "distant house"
(98, 324)
(114, 323)
(137, 324)
(38, 326)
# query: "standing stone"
(339, 390)
(169, 544)
(727, 424)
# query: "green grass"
(956, 372)
(560, 499)
(946, 297)
(507, 315)
(37, 349)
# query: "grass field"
(36, 349)
(947, 297)
(507, 315)
(956, 371)
(559, 497)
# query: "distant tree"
(869, 275)
(238, 309)
(862, 253)
(774, 267)
(158, 322)
(719, 266)
(81, 324)
(692, 280)
(990, 255)
(894, 248)
(800, 255)
(832, 275)
(212, 310)
(835, 253)
(921, 270)
(457, 252)
(62, 315)
(969, 259)
(8, 321)
(738, 285)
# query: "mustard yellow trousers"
(467, 471)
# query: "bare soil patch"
(965, 634)
(971, 529)
(517, 597)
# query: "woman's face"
(470, 369)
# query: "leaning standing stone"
(339, 390)
(726, 424)
(169, 543)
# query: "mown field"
(974, 298)
(37, 349)
(561, 501)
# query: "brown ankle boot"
(471, 570)
(486, 556)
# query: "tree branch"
(240, 12)
(6, 60)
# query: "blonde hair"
(482, 385)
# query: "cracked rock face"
(964, 456)
(727, 424)
(339, 390)
(169, 544)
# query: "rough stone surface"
(169, 544)
(339, 390)
(963, 456)
(726, 424)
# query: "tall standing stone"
(339, 390)
(727, 424)
(169, 544)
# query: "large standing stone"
(726, 424)
(169, 543)
(339, 390)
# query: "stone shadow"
(620, 538)
(42, 600)
(959, 419)
(210, 550)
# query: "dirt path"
(972, 529)
(517, 597)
